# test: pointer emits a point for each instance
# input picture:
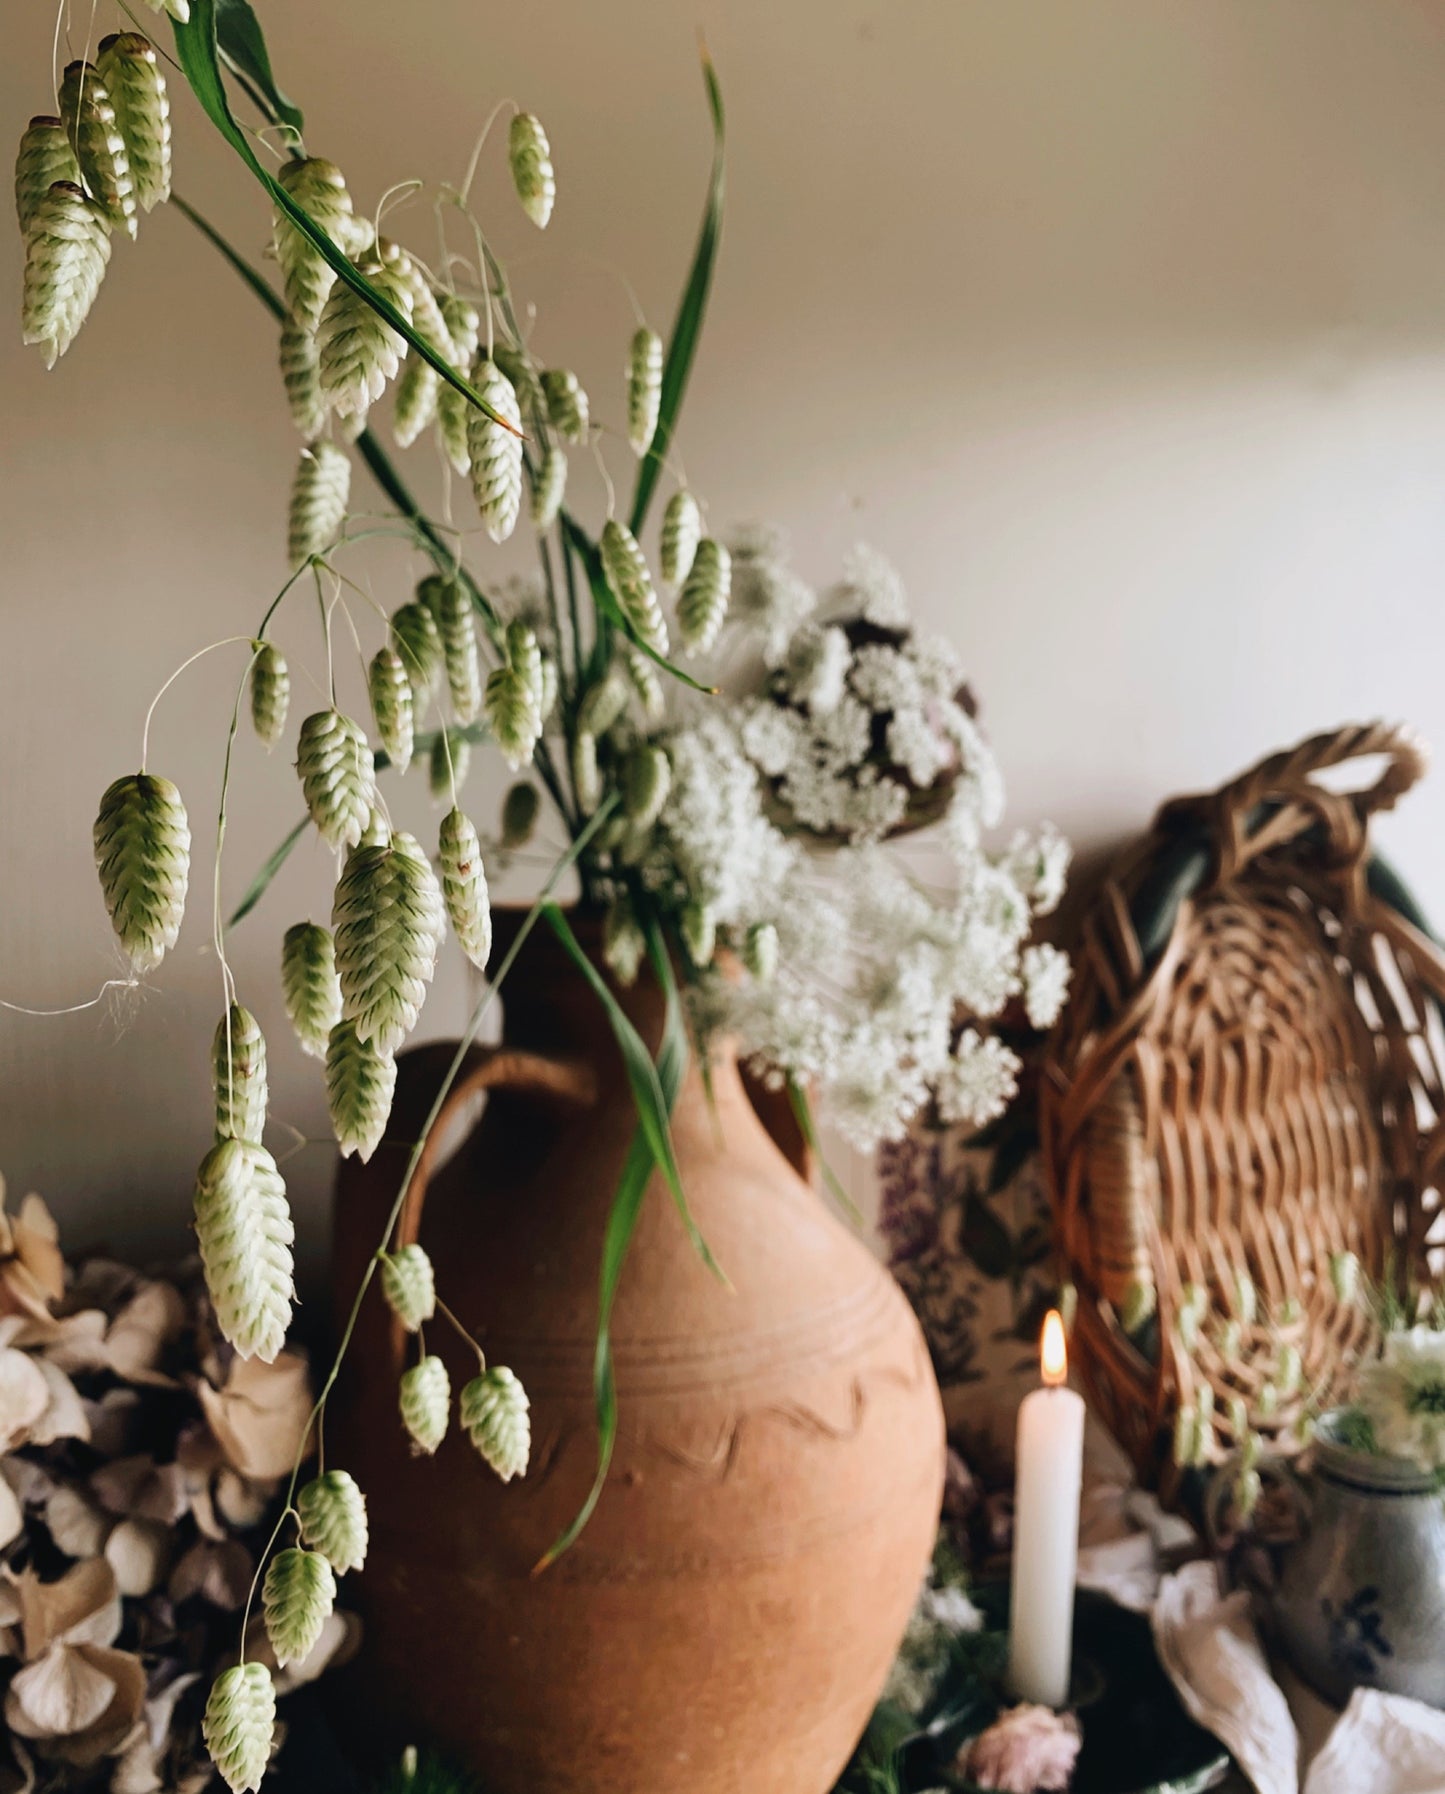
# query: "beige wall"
(1119, 324)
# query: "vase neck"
(547, 1004)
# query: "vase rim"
(1377, 1471)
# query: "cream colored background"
(1119, 324)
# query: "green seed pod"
(456, 621)
(586, 778)
(495, 1418)
(131, 69)
(301, 371)
(391, 705)
(681, 533)
(67, 248)
(143, 855)
(699, 933)
(338, 776)
(409, 1285)
(516, 364)
(318, 188)
(420, 385)
(309, 984)
(388, 920)
(549, 487)
(464, 327)
(416, 401)
(760, 951)
(525, 654)
(566, 403)
(603, 702)
(702, 605)
(646, 781)
(244, 1232)
(520, 809)
(531, 158)
(45, 157)
(432, 592)
(270, 693)
(496, 452)
(546, 687)
(426, 1402)
(623, 942)
(94, 131)
(240, 1723)
(511, 709)
(464, 887)
(419, 646)
(644, 388)
(238, 1076)
(319, 497)
(297, 1599)
(426, 312)
(360, 1083)
(358, 352)
(625, 569)
(648, 686)
(332, 1512)
(451, 759)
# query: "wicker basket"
(1247, 1080)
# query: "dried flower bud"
(67, 249)
(426, 1401)
(496, 452)
(549, 487)
(566, 403)
(419, 646)
(520, 809)
(625, 569)
(297, 1599)
(338, 776)
(240, 1722)
(142, 852)
(530, 156)
(45, 157)
(388, 920)
(456, 621)
(451, 759)
(320, 494)
(94, 131)
(270, 693)
(698, 927)
(309, 984)
(646, 781)
(623, 942)
(494, 1415)
(244, 1231)
(332, 1511)
(358, 351)
(586, 776)
(681, 533)
(360, 1083)
(409, 1285)
(238, 1075)
(464, 887)
(511, 707)
(760, 951)
(391, 705)
(702, 605)
(131, 70)
(318, 188)
(644, 388)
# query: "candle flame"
(1053, 1351)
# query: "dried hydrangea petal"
(244, 1231)
(318, 187)
(131, 70)
(332, 1512)
(360, 1083)
(625, 568)
(644, 388)
(388, 920)
(240, 1723)
(464, 887)
(95, 136)
(511, 709)
(392, 706)
(358, 352)
(520, 809)
(270, 693)
(419, 646)
(143, 855)
(45, 157)
(319, 497)
(566, 403)
(67, 250)
(310, 986)
(530, 156)
(338, 776)
(425, 1394)
(238, 1075)
(456, 622)
(549, 487)
(494, 1414)
(297, 1599)
(496, 452)
(681, 533)
(409, 1285)
(702, 605)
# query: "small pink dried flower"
(1028, 1750)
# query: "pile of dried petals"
(141, 1461)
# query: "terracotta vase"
(729, 1615)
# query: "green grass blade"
(242, 43)
(803, 1111)
(687, 326)
(256, 890)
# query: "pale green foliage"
(270, 693)
(332, 1511)
(549, 488)
(699, 933)
(320, 494)
(623, 942)
(702, 605)
(244, 1231)
(45, 156)
(511, 707)
(131, 69)
(464, 887)
(646, 781)
(238, 1075)
(625, 568)
(319, 189)
(520, 809)
(358, 352)
(496, 452)
(464, 327)
(338, 776)
(392, 706)
(309, 984)
(451, 759)
(240, 1724)
(67, 248)
(681, 533)
(297, 1599)
(90, 121)
(143, 855)
(360, 1083)
(603, 702)
(301, 372)
(530, 156)
(566, 403)
(586, 776)
(644, 388)
(456, 623)
(388, 921)
(419, 644)
(425, 1394)
(494, 1414)
(409, 1285)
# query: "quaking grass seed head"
(239, 1727)
(95, 136)
(644, 388)
(495, 451)
(131, 69)
(530, 157)
(143, 855)
(270, 693)
(464, 887)
(67, 250)
(44, 157)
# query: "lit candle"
(1046, 1529)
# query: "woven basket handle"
(1281, 799)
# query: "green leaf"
(257, 283)
(687, 326)
(585, 550)
(256, 890)
(243, 46)
(803, 1110)
(196, 49)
